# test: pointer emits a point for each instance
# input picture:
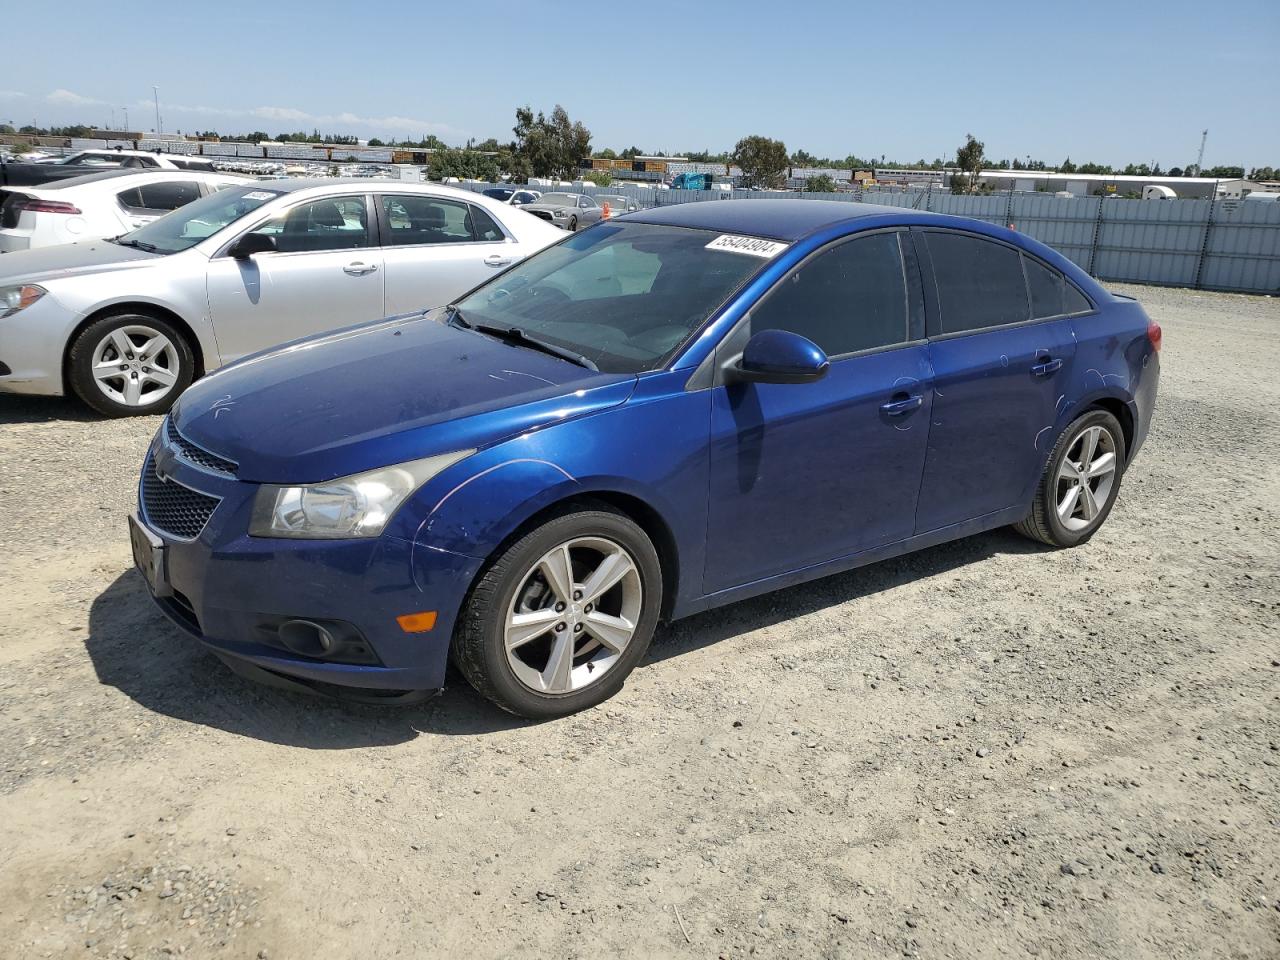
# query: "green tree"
(970, 160)
(601, 178)
(463, 164)
(550, 147)
(763, 161)
(822, 183)
(375, 142)
(605, 154)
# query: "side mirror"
(251, 243)
(780, 356)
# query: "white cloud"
(69, 97)
(328, 120)
(11, 94)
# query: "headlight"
(355, 506)
(19, 297)
(559, 213)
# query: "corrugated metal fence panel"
(1150, 241)
(1243, 249)
(992, 209)
(1066, 224)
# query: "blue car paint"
(746, 488)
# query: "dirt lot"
(985, 749)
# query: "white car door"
(436, 249)
(325, 273)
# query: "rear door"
(436, 249)
(805, 473)
(326, 273)
(998, 379)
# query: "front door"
(805, 473)
(324, 274)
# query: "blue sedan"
(665, 413)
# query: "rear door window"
(413, 219)
(849, 298)
(979, 283)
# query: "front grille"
(196, 455)
(541, 213)
(172, 508)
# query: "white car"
(110, 159)
(126, 324)
(98, 205)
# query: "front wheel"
(560, 619)
(1080, 482)
(129, 364)
(573, 224)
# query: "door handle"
(896, 408)
(359, 269)
(493, 260)
(1046, 367)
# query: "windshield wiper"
(138, 244)
(456, 319)
(517, 336)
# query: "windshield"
(564, 199)
(187, 226)
(499, 194)
(625, 296)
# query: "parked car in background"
(19, 174)
(126, 324)
(516, 196)
(97, 205)
(618, 203)
(568, 211)
(693, 405)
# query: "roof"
(787, 220)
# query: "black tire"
(80, 363)
(478, 642)
(1044, 523)
(573, 224)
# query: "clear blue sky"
(1101, 81)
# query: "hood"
(539, 205)
(69, 260)
(379, 394)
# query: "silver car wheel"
(573, 615)
(135, 365)
(1086, 478)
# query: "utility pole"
(156, 91)
(126, 117)
(1200, 159)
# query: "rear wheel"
(561, 618)
(1080, 482)
(129, 364)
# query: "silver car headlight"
(357, 506)
(19, 296)
(559, 214)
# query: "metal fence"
(1229, 245)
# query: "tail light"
(1155, 335)
(49, 206)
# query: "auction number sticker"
(261, 195)
(752, 246)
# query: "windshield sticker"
(260, 195)
(752, 246)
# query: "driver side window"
(334, 223)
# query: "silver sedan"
(126, 324)
(568, 211)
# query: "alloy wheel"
(135, 365)
(1086, 477)
(573, 615)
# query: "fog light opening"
(307, 639)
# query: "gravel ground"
(984, 749)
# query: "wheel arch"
(140, 307)
(643, 514)
(1119, 409)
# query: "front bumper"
(32, 342)
(229, 589)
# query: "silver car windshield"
(187, 226)
(625, 296)
(564, 199)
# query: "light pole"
(156, 91)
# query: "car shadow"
(16, 408)
(135, 649)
